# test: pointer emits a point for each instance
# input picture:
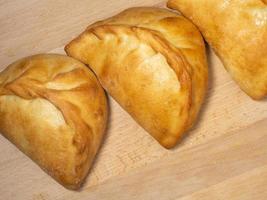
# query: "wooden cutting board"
(223, 157)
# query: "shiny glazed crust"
(237, 31)
(153, 62)
(55, 111)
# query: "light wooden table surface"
(223, 157)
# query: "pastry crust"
(152, 61)
(237, 31)
(55, 111)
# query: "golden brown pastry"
(153, 62)
(237, 31)
(55, 111)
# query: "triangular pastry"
(153, 62)
(54, 110)
(237, 31)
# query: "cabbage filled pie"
(153, 63)
(55, 111)
(237, 31)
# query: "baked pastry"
(54, 110)
(237, 31)
(152, 61)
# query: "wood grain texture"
(130, 164)
(192, 170)
(247, 186)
